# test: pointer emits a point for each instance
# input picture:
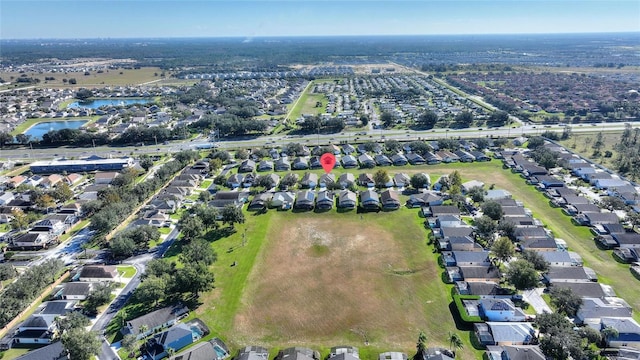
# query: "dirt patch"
(319, 279)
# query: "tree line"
(115, 203)
(19, 294)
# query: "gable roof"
(156, 318)
(54, 351)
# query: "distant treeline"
(263, 53)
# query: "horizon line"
(319, 36)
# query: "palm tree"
(455, 342)
(609, 333)
(143, 329)
(421, 346)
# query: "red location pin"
(328, 161)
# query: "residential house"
(401, 180)
(369, 200)
(155, 320)
(249, 180)
(309, 181)
(324, 201)
(587, 289)
(470, 258)
(479, 273)
(282, 164)
(6, 197)
(500, 310)
(74, 291)
(399, 160)
(366, 180)
(56, 307)
(260, 201)
(516, 352)
(593, 309)
(105, 177)
(176, 338)
(349, 162)
(432, 159)
(366, 161)
(235, 180)
(467, 186)
(347, 199)
(282, 200)
(346, 180)
(265, 165)
(561, 258)
(253, 353)
(511, 333)
(382, 160)
(327, 180)
(415, 159)
(465, 156)
(31, 241)
(392, 355)
(305, 200)
(480, 156)
(297, 353)
(300, 163)
(98, 273)
(224, 198)
(628, 332)
(570, 274)
(247, 166)
(36, 329)
(54, 351)
(428, 198)
(459, 243)
(390, 200)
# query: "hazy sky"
(20, 19)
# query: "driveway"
(534, 298)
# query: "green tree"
(198, 252)
(208, 215)
(122, 246)
(503, 249)
(492, 209)
(151, 290)
(427, 119)
(364, 119)
(23, 139)
(194, 278)
(419, 181)
(146, 162)
(7, 271)
(499, 118)
(464, 119)
(242, 154)
(380, 178)
(455, 342)
(421, 345)
(72, 320)
(565, 300)
(83, 94)
(130, 343)
(387, 118)
(5, 138)
(100, 295)
(476, 194)
(522, 275)
(204, 196)
(20, 220)
(609, 333)
(485, 228)
(62, 192)
(232, 215)
(538, 262)
(45, 201)
(81, 344)
(191, 227)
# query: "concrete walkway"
(534, 298)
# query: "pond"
(94, 104)
(39, 129)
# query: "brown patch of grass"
(317, 282)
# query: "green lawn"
(205, 184)
(127, 271)
(428, 292)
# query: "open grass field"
(108, 77)
(306, 104)
(322, 279)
